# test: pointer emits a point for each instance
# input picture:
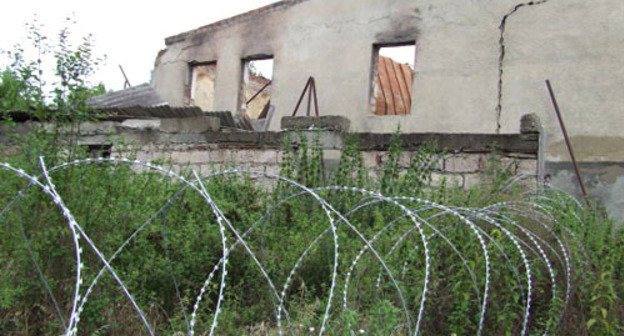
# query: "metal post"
(567, 139)
(259, 92)
(301, 97)
(316, 107)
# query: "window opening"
(203, 77)
(393, 76)
(256, 87)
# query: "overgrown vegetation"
(167, 262)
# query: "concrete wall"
(183, 145)
(480, 65)
(577, 44)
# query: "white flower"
(311, 329)
(361, 331)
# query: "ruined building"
(479, 66)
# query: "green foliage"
(15, 92)
(22, 84)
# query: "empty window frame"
(256, 87)
(203, 79)
(393, 76)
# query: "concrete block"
(530, 123)
(406, 159)
(465, 163)
(527, 167)
(141, 124)
(272, 169)
(265, 156)
(332, 123)
(100, 127)
(470, 180)
(190, 125)
(206, 169)
(200, 156)
(143, 156)
(242, 156)
(181, 157)
(160, 155)
(373, 159)
(331, 159)
(452, 180)
(221, 155)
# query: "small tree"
(22, 85)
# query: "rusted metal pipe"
(301, 97)
(310, 96)
(316, 107)
(310, 88)
(259, 92)
(567, 139)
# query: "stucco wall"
(480, 65)
(577, 44)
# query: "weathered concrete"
(530, 124)
(190, 125)
(141, 124)
(604, 180)
(458, 57)
(330, 123)
(480, 66)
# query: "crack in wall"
(501, 58)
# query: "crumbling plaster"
(480, 65)
(574, 43)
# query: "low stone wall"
(463, 157)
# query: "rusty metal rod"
(259, 92)
(316, 107)
(310, 96)
(301, 97)
(567, 139)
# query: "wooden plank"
(385, 85)
(395, 89)
(408, 74)
(381, 107)
(405, 94)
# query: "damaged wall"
(575, 43)
(480, 66)
(180, 144)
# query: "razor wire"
(415, 216)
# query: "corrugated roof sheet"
(393, 87)
(140, 95)
(162, 112)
